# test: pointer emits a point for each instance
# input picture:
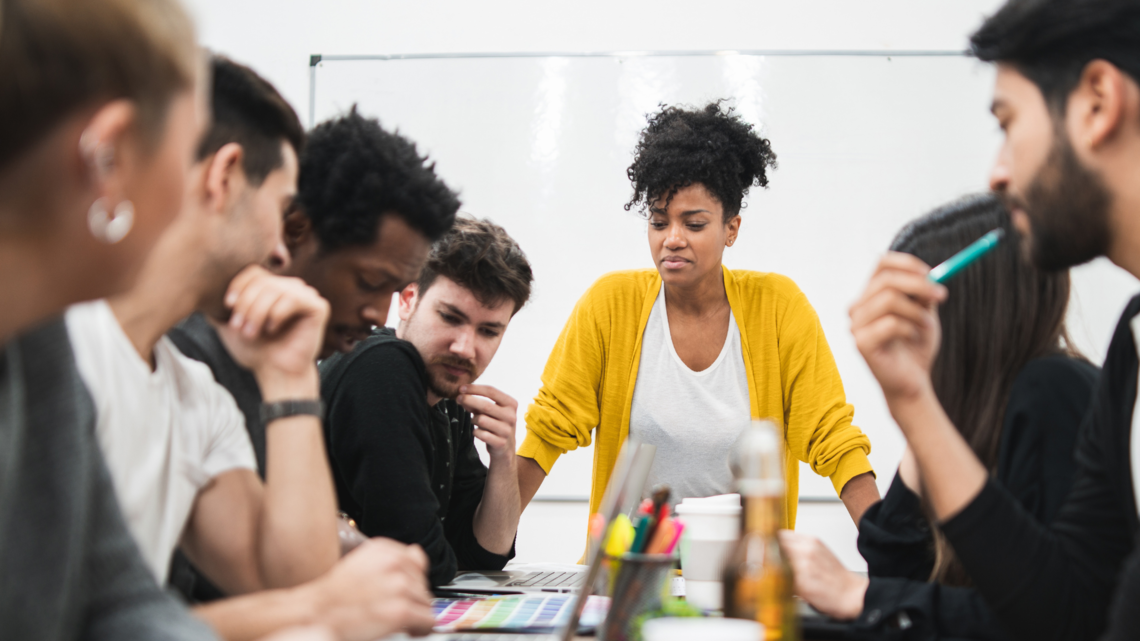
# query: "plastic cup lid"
(689, 628)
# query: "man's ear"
(225, 177)
(1100, 106)
(409, 296)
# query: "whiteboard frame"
(317, 58)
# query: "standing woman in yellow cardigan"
(682, 355)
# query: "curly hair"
(353, 172)
(710, 146)
(478, 255)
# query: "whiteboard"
(540, 145)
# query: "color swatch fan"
(515, 612)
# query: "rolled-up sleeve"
(816, 412)
(567, 407)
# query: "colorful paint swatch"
(515, 612)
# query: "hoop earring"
(110, 228)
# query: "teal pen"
(641, 535)
(975, 250)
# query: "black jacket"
(1047, 401)
(403, 469)
(1057, 582)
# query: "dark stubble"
(1067, 205)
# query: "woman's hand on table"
(821, 579)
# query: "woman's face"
(687, 238)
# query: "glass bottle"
(757, 577)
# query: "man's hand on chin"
(494, 414)
(276, 328)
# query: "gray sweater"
(69, 568)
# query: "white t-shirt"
(693, 418)
(164, 433)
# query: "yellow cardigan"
(589, 379)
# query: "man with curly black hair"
(683, 355)
(404, 412)
(368, 208)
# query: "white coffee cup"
(712, 528)
(687, 629)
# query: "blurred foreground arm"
(376, 590)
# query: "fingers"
(420, 621)
(883, 331)
(254, 308)
(240, 282)
(891, 302)
(492, 393)
(905, 274)
(418, 556)
(489, 402)
(262, 302)
(493, 441)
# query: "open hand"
(378, 589)
(821, 579)
(495, 414)
(276, 329)
(895, 325)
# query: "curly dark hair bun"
(710, 146)
(353, 172)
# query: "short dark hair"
(353, 172)
(1051, 41)
(711, 146)
(478, 255)
(249, 111)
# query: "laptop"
(557, 578)
(623, 493)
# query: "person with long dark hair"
(683, 354)
(1008, 377)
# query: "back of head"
(249, 111)
(1051, 41)
(710, 146)
(58, 57)
(481, 257)
(1001, 313)
(353, 172)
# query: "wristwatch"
(285, 409)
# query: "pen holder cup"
(636, 584)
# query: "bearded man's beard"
(1068, 207)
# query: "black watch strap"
(284, 409)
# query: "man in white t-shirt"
(174, 439)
